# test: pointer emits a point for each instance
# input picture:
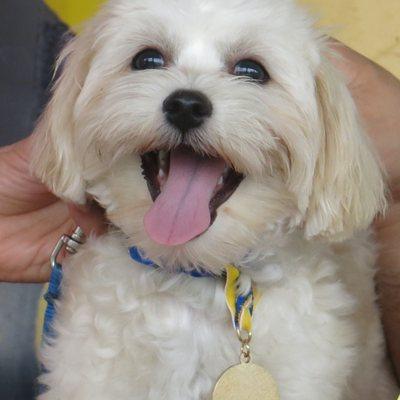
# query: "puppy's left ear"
(54, 158)
(348, 188)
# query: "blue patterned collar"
(141, 259)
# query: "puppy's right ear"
(348, 187)
(54, 159)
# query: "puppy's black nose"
(187, 109)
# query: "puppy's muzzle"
(187, 109)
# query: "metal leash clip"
(71, 244)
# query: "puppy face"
(206, 128)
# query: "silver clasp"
(71, 244)
(245, 339)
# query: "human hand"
(377, 96)
(32, 219)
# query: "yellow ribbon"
(239, 305)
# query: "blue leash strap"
(137, 256)
(52, 294)
(71, 245)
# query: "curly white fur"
(296, 224)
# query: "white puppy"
(185, 92)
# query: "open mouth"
(187, 188)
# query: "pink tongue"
(181, 212)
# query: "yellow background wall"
(74, 12)
(371, 27)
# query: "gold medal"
(246, 381)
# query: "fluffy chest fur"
(127, 331)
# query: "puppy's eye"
(148, 59)
(252, 70)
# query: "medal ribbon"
(240, 305)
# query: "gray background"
(29, 36)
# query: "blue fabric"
(53, 293)
(136, 256)
(240, 301)
(141, 259)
